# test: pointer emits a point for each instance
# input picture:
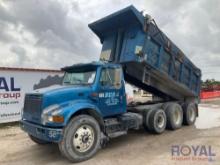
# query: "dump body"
(150, 59)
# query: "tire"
(189, 114)
(81, 139)
(157, 121)
(146, 119)
(38, 141)
(174, 114)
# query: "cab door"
(112, 98)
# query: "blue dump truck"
(89, 108)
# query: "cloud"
(45, 28)
(18, 50)
(22, 57)
(55, 33)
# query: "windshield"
(79, 78)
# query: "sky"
(52, 34)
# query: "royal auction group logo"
(192, 153)
(8, 88)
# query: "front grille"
(32, 103)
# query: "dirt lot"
(138, 147)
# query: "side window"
(111, 77)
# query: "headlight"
(51, 114)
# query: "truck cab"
(95, 87)
(105, 83)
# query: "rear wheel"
(38, 141)
(174, 114)
(189, 113)
(157, 121)
(81, 138)
(146, 119)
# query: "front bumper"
(42, 132)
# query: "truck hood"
(48, 89)
(58, 94)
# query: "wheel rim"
(177, 116)
(160, 121)
(192, 114)
(83, 138)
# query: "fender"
(78, 106)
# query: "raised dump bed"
(151, 60)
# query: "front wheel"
(81, 138)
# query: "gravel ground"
(138, 147)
